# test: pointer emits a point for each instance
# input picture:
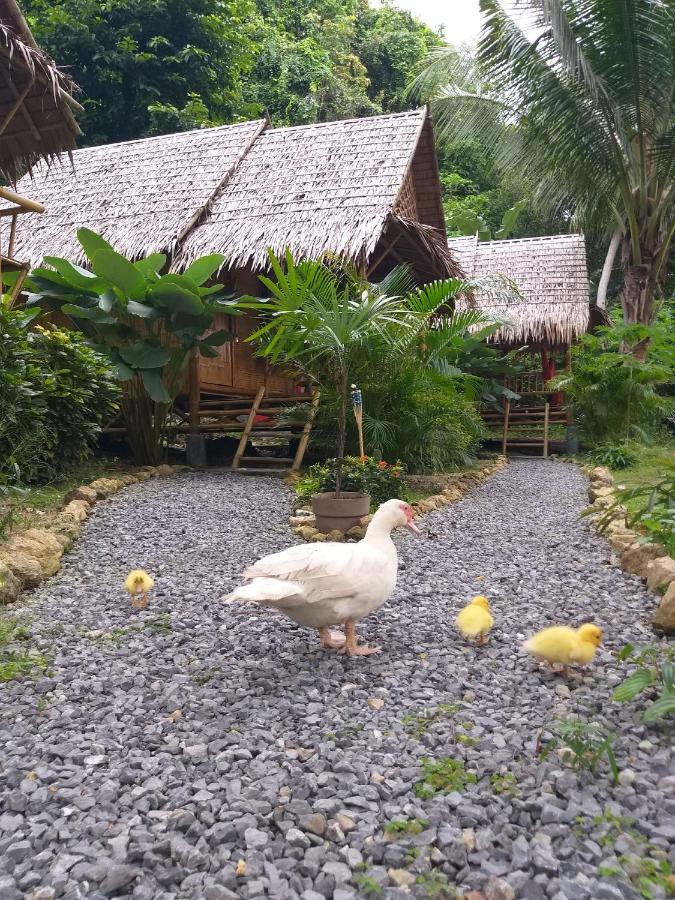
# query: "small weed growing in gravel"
(206, 676)
(505, 783)
(160, 624)
(442, 775)
(582, 745)
(650, 877)
(406, 826)
(655, 674)
(466, 740)
(416, 725)
(411, 855)
(16, 661)
(435, 885)
(615, 826)
(367, 885)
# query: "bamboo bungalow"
(37, 123)
(367, 190)
(551, 311)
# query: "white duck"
(319, 585)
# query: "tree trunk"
(614, 244)
(342, 433)
(638, 302)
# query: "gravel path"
(169, 745)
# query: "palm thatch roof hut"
(363, 189)
(552, 308)
(36, 103)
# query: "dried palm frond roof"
(36, 104)
(143, 196)
(346, 188)
(331, 187)
(551, 276)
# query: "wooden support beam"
(507, 410)
(389, 247)
(18, 285)
(193, 396)
(248, 427)
(12, 237)
(306, 432)
(15, 107)
(546, 408)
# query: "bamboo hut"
(549, 312)
(37, 124)
(365, 190)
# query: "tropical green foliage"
(146, 324)
(617, 397)
(466, 221)
(55, 393)
(576, 97)
(381, 480)
(155, 66)
(582, 744)
(614, 456)
(654, 676)
(651, 506)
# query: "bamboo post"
(248, 427)
(306, 431)
(357, 405)
(507, 411)
(546, 409)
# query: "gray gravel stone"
(214, 737)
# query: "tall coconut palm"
(578, 96)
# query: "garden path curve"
(166, 746)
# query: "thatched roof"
(36, 105)
(143, 196)
(319, 188)
(551, 276)
(351, 188)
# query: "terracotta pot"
(339, 513)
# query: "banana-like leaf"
(145, 356)
(216, 338)
(141, 309)
(91, 242)
(124, 372)
(49, 282)
(668, 675)
(152, 381)
(117, 270)
(176, 298)
(76, 276)
(93, 313)
(660, 708)
(510, 220)
(633, 685)
(208, 352)
(204, 267)
(151, 265)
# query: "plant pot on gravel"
(341, 513)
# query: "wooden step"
(266, 459)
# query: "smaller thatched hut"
(550, 311)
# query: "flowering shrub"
(362, 474)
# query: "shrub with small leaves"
(654, 676)
(582, 744)
(615, 456)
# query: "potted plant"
(320, 317)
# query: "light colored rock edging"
(457, 485)
(649, 561)
(33, 555)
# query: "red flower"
(382, 465)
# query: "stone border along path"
(227, 756)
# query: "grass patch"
(160, 624)
(367, 885)
(650, 877)
(436, 886)
(442, 776)
(505, 784)
(417, 724)
(406, 826)
(17, 658)
(35, 506)
(651, 466)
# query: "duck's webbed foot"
(351, 646)
(331, 640)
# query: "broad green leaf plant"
(145, 322)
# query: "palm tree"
(578, 96)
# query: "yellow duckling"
(475, 620)
(566, 646)
(137, 584)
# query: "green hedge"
(55, 393)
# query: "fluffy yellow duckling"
(475, 620)
(565, 646)
(137, 584)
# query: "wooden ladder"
(271, 407)
(530, 418)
